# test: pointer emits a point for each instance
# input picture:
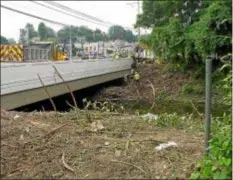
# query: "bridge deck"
(17, 77)
(20, 84)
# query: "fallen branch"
(126, 147)
(68, 87)
(43, 109)
(130, 165)
(195, 108)
(65, 164)
(53, 131)
(3, 144)
(153, 91)
(47, 92)
(125, 141)
(74, 108)
(145, 132)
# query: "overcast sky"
(117, 12)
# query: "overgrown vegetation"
(218, 164)
(184, 34)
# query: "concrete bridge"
(21, 86)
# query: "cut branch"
(47, 92)
(65, 164)
(68, 87)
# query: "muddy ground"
(90, 144)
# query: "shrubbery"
(218, 164)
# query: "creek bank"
(155, 83)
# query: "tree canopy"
(118, 32)
(77, 33)
(42, 30)
(4, 40)
(11, 41)
(31, 31)
(185, 32)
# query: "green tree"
(76, 32)
(22, 36)
(98, 35)
(129, 36)
(12, 41)
(4, 40)
(31, 31)
(42, 30)
(64, 35)
(50, 33)
(185, 32)
(87, 33)
(116, 32)
(27, 33)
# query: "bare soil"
(151, 76)
(90, 144)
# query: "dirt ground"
(89, 144)
(155, 81)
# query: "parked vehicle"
(40, 51)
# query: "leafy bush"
(165, 120)
(185, 32)
(218, 164)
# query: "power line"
(66, 13)
(73, 10)
(41, 18)
(63, 7)
(34, 16)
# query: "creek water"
(171, 106)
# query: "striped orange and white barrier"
(11, 53)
